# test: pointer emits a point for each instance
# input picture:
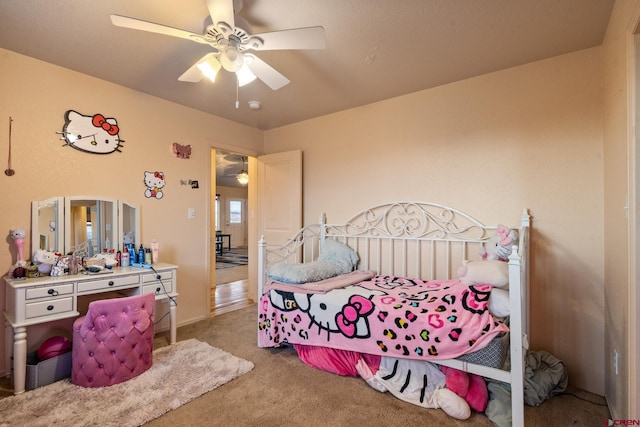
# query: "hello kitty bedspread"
(386, 315)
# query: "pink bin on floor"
(114, 341)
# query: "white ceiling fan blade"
(265, 72)
(138, 24)
(297, 38)
(221, 11)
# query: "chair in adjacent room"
(113, 342)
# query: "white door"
(236, 225)
(279, 196)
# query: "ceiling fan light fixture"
(245, 76)
(232, 60)
(243, 177)
(210, 68)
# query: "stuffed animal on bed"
(489, 272)
(493, 269)
(500, 246)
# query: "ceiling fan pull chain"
(237, 90)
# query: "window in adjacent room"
(235, 211)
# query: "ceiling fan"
(228, 165)
(230, 37)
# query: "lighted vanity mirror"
(82, 224)
(47, 224)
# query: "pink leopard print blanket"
(388, 316)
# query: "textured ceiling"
(376, 49)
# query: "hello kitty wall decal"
(154, 182)
(94, 134)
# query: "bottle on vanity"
(124, 257)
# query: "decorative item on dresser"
(400, 301)
(45, 299)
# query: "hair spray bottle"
(124, 257)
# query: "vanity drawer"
(47, 308)
(108, 283)
(49, 291)
(157, 287)
(152, 277)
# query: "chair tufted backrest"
(113, 341)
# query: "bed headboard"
(411, 239)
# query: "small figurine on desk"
(18, 270)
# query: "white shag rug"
(180, 373)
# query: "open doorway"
(229, 287)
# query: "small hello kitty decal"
(92, 134)
(154, 182)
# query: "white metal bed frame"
(427, 241)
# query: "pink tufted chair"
(114, 341)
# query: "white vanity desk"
(45, 299)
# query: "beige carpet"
(281, 391)
(179, 374)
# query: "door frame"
(252, 242)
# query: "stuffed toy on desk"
(18, 270)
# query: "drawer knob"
(111, 283)
(158, 290)
(52, 292)
(49, 307)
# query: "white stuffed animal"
(489, 272)
(500, 245)
(45, 257)
(45, 260)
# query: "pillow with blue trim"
(335, 258)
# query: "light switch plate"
(191, 213)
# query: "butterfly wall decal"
(181, 151)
